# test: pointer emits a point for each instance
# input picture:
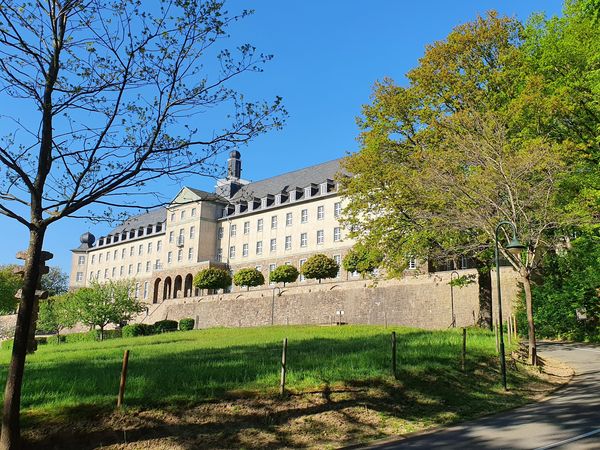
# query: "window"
(97, 275)
(273, 222)
(303, 239)
(159, 246)
(304, 216)
(79, 277)
(183, 214)
(220, 233)
(259, 225)
(271, 269)
(338, 260)
(320, 237)
(157, 265)
(246, 227)
(138, 268)
(273, 245)
(131, 250)
(113, 272)
(245, 250)
(123, 254)
(232, 252)
(149, 247)
(220, 254)
(190, 254)
(412, 263)
(337, 209)
(107, 256)
(130, 269)
(169, 257)
(288, 220)
(259, 248)
(140, 249)
(100, 258)
(137, 290)
(320, 212)
(464, 263)
(148, 266)
(105, 273)
(172, 217)
(93, 259)
(91, 276)
(259, 268)
(180, 255)
(337, 234)
(233, 230)
(145, 290)
(121, 271)
(81, 260)
(192, 232)
(171, 237)
(193, 212)
(300, 264)
(115, 255)
(288, 242)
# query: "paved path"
(570, 419)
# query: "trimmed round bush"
(212, 278)
(165, 326)
(186, 324)
(320, 266)
(249, 277)
(284, 274)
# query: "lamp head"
(515, 247)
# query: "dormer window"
(295, 194)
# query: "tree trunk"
(10, 438)
(530, 325)
(102, 333)
(484, 276)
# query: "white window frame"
(259, 247)
(320, 237)
(244, 250)
(273, 245)
(273, 222)
(320, 212)
(288, 242)
(289, 219)
(337, 234)
(303, 240)
(304, 216)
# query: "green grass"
(189, 367)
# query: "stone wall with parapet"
(422, 301)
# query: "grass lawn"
(220, 386)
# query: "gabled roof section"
(298, 178)
(187, 195)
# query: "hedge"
(164, 326)
(186, 324)
(138, 329)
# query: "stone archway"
(177, 285)
(167, 289)
(188, 288)
(156, 290)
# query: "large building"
(281, 220)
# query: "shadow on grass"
(346, 372)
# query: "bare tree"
(114, 92)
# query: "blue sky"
(327, 54)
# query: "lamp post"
(514, 247)
(454, 272)
(273, 304)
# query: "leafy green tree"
(108, 303)
(362, 259)
(212, 278)
(568, 296)
(56, 281)
(57, 313)
(284, 274)
(249, 277)
(445, 159)
(320, 266)
(9, 285)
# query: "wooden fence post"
(394, 354)
(464, 349)
(283, 368)
(497, 337)
(123, 379)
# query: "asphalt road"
(570, 419)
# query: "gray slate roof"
(298, 178)
(153, 216)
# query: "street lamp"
(454, 272)
(515, 248)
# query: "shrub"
(57, 338)
(284, 274)
(320, 266)
(137, 329)
(362, 259)
(186, 324)
(164, 326)
(212, 278)
(249, 277)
